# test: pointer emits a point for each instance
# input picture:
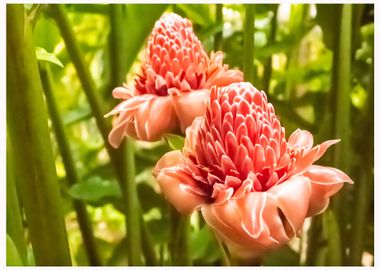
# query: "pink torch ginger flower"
(254, 187)
(173, 86)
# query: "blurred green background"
(315, 62)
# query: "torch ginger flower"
(254, 187)
(174, 84)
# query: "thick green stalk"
(268, 63)
(15, 228)
(179, 242)
(299, 15)
(135, 231)
(218, 38)
(71, 173)
(132, 208)
(365, 182)
(29, 135)
(342, 130)
(249, 43)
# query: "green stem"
(249, 43)
(364, 184)
(218, 38)
(148, 245)
(15, 228)
(71, 174)
(133, 211)
(341, 154)
(132, 208)
(180, 231)
(268, 63)
(32, 151)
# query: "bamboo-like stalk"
(218, 38)
(132, 208)
(249, 43)
(135, 223)
(15, 229)
(364, 185)
(342, 116)
(71, 173)
(268, 63)
(179, 243)
(29, 135)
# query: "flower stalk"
(249, 43)
(29, 134)
(84, 220)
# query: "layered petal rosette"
(254, 187)
(173, 86)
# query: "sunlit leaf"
(175, 142)
(94, 189)
(43, 55)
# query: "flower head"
(254, 187)
(176, 75)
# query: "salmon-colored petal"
(190, 105)
(161, 118)
(122, 92)
(119, 130)
(292, 198)
(301, 138)
(259, 221)
(325, 182)
(323, 147)
(177, 186)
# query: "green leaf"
(43, 55)
(204, 248)
(13, 257)
(94, 189)
(175, 142)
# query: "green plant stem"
(218, 38)
(180, 230)
(341, 154)
(268, 62)
(364, 184)
(117, 45)
(30, 139)
(135, 223)
(147, 245)
(132, 208)
(71, 173)
(15, 228)
(249, 43)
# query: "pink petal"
(259, 221)
(301, 138)
(161, 118)
(190, 105)
(325, 182)
(178, 187)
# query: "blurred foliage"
(294, 44)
